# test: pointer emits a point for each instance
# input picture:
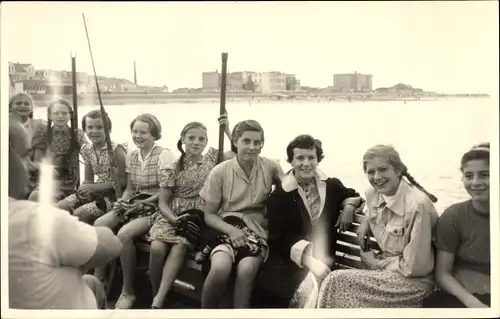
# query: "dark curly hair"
(305, 141)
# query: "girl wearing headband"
(180, 184)
(463, 240)
(401, 216)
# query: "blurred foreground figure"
(50, 251)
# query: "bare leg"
(127, 234)
(157, 255)
(110, 220)
(173, 265)
(246, 272)
(220, 269)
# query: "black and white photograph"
(275, 158)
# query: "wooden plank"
(350, 250)
(349, 262)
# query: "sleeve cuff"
(297, 251)
(355, 201)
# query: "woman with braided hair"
(180, 184)
(401, 216)
(63, 143)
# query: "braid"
(412, 181)
(180, 162)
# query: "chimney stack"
(135, 75)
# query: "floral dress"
(59, 146)
(100, 163)
(185, 186)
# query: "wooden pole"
(222, 109)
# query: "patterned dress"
(100, 163)
(185, 186)
(59, 146)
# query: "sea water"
(430, 136)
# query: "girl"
(142, 167)
(401, 216)
(238, 187)
(21, 107)
(463, 240)
(97, 162)
(180, 186)
(305, 214)
(63, 144)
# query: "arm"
(418, 256)
(444, 277)
(89, 174)
(129, 190)
(96, 245)
(164, 204)
(120, 156)
(215, 221)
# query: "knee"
(248, 269)
(83, 215)
(126, 235)
(221, 265)
(33, 196)
(158, 250)
(105, 220)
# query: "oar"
(111, 153)
(74, 120)
(222, 109)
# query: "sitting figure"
(305, 214)
(463, 240)
(401, 216)
(94, 199)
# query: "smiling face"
(59, 115)
(21, 106)
(141, 134)
(476, 179)
(304, 163)
(382, 176)
(195, 140)
(94, 128)
(249, 145)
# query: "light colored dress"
(238, 195)
(186, 186)
(403, 226)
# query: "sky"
(444, 46)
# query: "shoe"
(125, 301)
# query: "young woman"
(463, 240)
(63, 144)
(238, 187)
(304, 214)
(401, 216)
(93, 199)
(143, 177)
(21, 107)
(180, 184)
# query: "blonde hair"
(389, 152)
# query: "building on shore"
(21, 71)
(250, 81)
(353, 82)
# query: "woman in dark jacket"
(304, 215)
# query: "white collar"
(290, 183)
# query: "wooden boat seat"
(190, 281)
